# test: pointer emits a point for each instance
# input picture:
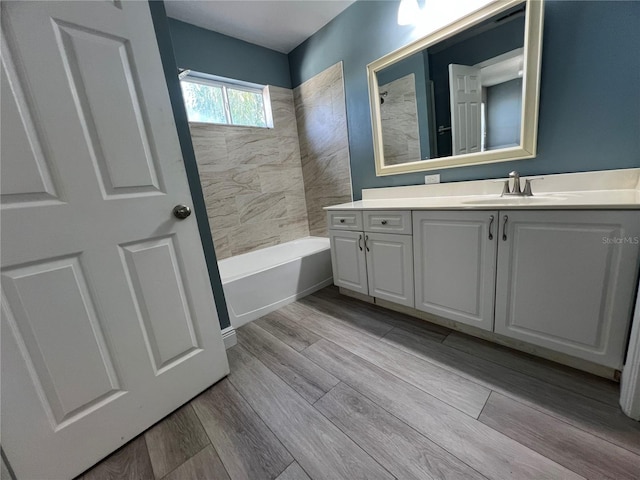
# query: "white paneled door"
(108, 319)
(465, 89)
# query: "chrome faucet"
(516, 190)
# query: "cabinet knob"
(383, 222)
(342, 220)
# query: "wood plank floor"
(330, 387)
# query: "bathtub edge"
(239, 321)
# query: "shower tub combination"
(262, 281)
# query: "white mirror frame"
(530, 96)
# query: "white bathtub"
(260, 282)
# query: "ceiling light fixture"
(408, 11)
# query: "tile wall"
(324, 144)
(252, 180)
(399, 117)
(266, 186)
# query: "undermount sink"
(516, 200)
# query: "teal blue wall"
(163, 37)
(504, 111)
(590, 94)
(210, 52)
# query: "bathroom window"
(209, 99)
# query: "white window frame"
(224, 83)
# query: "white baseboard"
(356, 295)
(229, 337)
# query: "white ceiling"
(280, 25)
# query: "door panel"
(455, 255)
(109, 322)
(465, 88)
(48, 304)
(348, 260)
(562, 284)
(390, 267)
(25, 173)
(163, 307)
(116, 131)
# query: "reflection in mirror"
(399, 114)
(466, 94)
(461, 95)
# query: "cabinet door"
(390, 267)
(348, 260)
(566, 280)
(455, 265)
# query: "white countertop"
(610, 189)
(620, 199)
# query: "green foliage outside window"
(247, 108)
(219, 103)
(204, 103)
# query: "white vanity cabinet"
(366, 259)
(390, 267)
(455, 264)
(348, 260)
(566, 280)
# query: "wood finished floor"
(334, 388)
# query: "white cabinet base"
(348, 260)
(390, 267)
(566, 281)
(375, 258)
(553, 283)
(541, 352)
(455, 265)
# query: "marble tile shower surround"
(399, 115)
(324, 144)
(252, 180)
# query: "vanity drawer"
(387, 221)
(344, 219)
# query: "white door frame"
(630, 382)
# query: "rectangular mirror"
(466, 94)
